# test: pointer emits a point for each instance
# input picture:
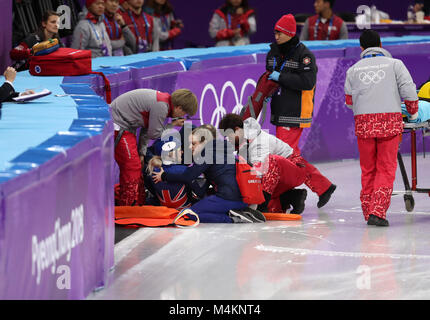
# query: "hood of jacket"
(251, 128)
(375, 50)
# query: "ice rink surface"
(330, 254)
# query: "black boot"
(325, 197)
(263, 207)
(376, 221)
(285, 200)
(296, 198)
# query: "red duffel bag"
(250, 185)
(257, 103)
(62, 62)
(66, 62)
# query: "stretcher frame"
(408, 197)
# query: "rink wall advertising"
(56, 238)
(56, 199)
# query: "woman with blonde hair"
(172, 194)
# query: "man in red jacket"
(325, 25)
(142, 26)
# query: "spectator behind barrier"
(325, 25)
(233, 23)
(7, 92)
(123, 5)
(90, 32)
(121, 37)
(48, 30)
(416, 12)
(142, 25)
(164, 18)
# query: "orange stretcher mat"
(153, 216)
(282, 217)
(159, 216)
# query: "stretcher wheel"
(409, 202)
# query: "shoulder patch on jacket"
(307, 60)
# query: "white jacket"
(90, 36)
(378, 83)
(262, 144)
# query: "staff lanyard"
(110, 27)
(373, 55)
(164, 22)
(274, 64)
(328, 32)
(135, 26)
(229, 20)
(283, 65)
(96, 33)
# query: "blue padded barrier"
(93, 112)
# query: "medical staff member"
(146, 110)
(374, 89)
(293, 67)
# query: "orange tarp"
(159, 216)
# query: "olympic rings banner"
(332, 134)
(222, 90)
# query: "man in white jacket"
(282, 170)
(90, 32)
(374, 89)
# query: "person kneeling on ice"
(146, 110)
(215, 159)
(172, 194)
(282, 169)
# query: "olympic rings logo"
(372, 76)
(220, 111)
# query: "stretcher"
(408, 197)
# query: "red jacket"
(112, 27)
(323, 28)
(143, 30)
(237, 21)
